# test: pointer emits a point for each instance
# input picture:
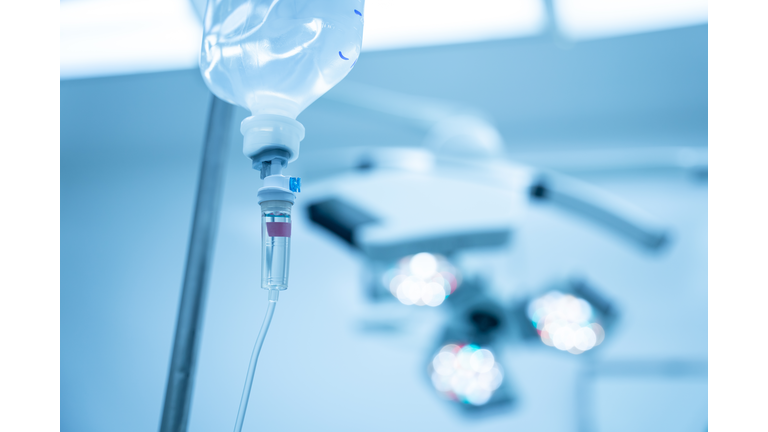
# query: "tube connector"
(279, 188)
(274, 294)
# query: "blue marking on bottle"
(353, 64)
(342, 56)
(358, 12)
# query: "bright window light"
(590, 19)
(116, 37)
(109, 37)
(393, 24)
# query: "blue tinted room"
(501, 217)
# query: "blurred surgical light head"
(565, 322)
(423, 279)
(465, 373)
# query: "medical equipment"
(275, 58)
(466, 373)
(570, 315)
(465, 366)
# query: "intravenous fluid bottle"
(274, 58)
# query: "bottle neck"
(264, 133)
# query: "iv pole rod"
(178, 392)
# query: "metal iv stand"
(186, 344)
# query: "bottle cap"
(267, 132)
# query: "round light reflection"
(565, 322)
(466, 373)
(423, 265)
(423, 279)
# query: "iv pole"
(178, 392)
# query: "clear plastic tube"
(275, 260)
(275, 244)
(273, 295)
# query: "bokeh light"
(465, 373)
(565, 322)
(423, 279)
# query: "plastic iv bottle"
(274, 58)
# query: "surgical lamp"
(569, 315)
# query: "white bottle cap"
(271, 131)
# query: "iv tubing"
(273, 295)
